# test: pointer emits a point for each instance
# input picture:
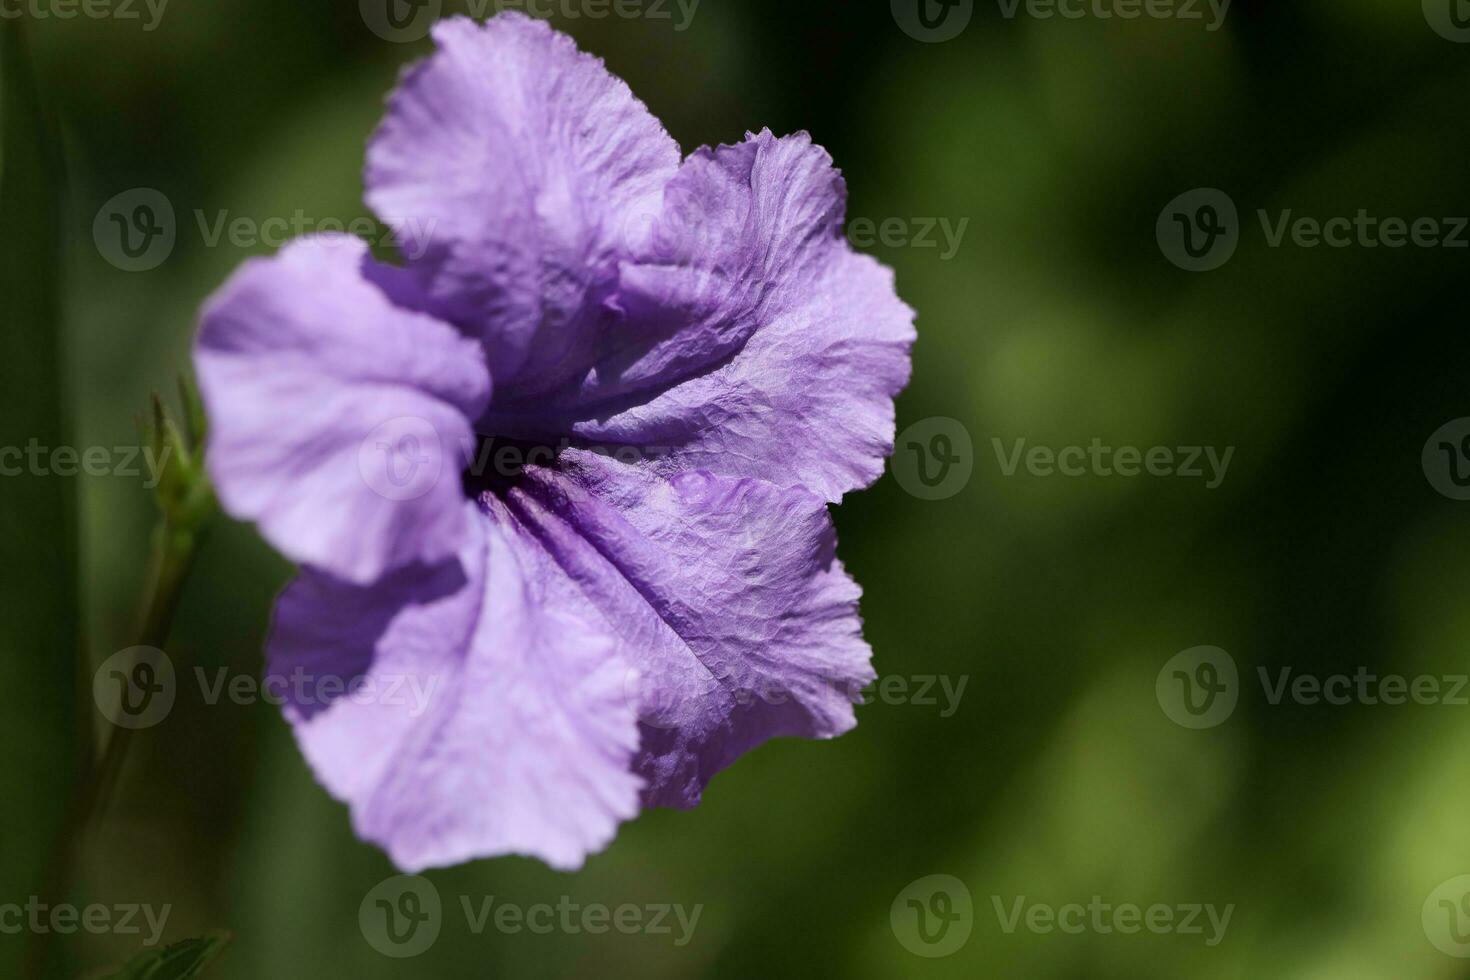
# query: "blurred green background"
(1058, 320)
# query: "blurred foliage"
(40, 631)
(1058, 321)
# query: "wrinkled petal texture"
(738, 619)
(742, 231)
(311, 375)
(509, 165)
(756, 341)
(807, 402)
(490, 713)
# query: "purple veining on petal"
(727, 591)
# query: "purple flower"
(689, 363)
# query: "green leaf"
(181, 961)
(40, 631)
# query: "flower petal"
(489, 715)
(755, 342)
(338, 421)
(808, 401)
(507, 165)
(742, 234)
(737, 617)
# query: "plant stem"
(175, 545)
(175, 549)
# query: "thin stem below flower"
(175, 546)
